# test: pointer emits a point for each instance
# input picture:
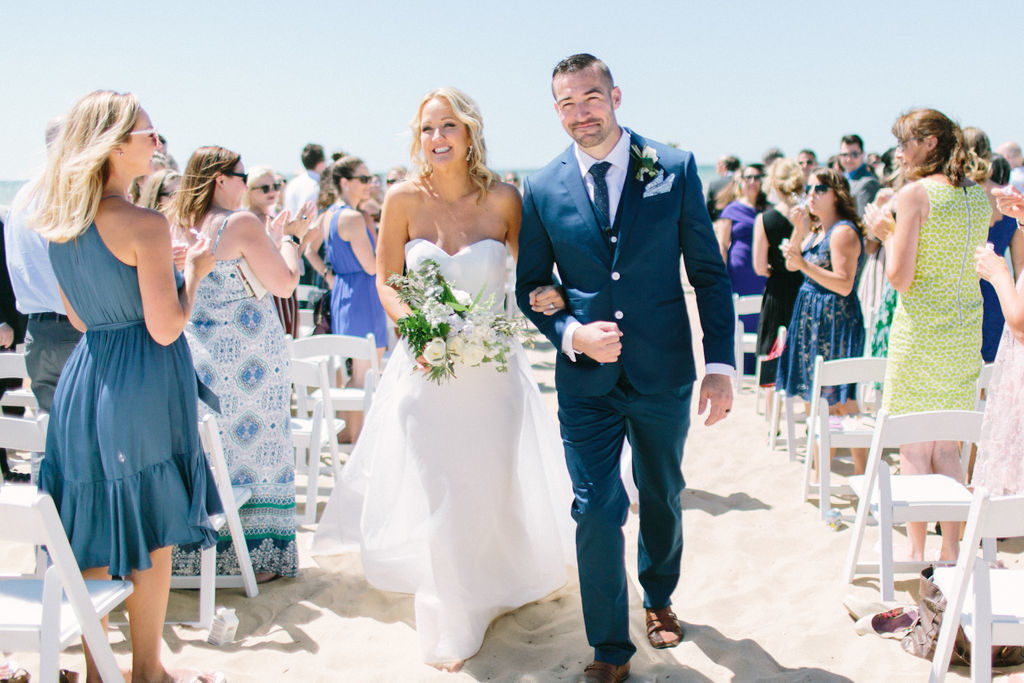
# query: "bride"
(456, 492)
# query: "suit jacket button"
(615, 275)
(618, 315)
(613, 239)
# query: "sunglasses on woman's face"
(243, 176)
(753, 178)
(267, 189)
(364, 179)
(816, 189)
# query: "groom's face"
(586, 104)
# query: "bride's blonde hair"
(468, 114)
(69, 190)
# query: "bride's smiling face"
(443, 138)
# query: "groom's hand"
(718, 390)
(599, 340)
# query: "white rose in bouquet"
(473, 353)
(456, 346)
(435, 351)
(462, 297)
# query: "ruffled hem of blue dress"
(118, 523)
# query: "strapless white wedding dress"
(457, 492)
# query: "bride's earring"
(469, 153)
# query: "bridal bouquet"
(448, 326)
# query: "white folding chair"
(302, 293)
(987, 602)
(780, 336)
(12, 366)
(232, 498)
(50, 614)
(336, 348)
(984, 379)
(895, 499)
(821, 432)
(312, 389)
(23, 434)
(745, 342)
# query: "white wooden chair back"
(987, 602)
(48, 615)
(745, 342)
(232, 498)
(24, 433)
(896, 499)
(13, 366)
(859, 371)
(984, 379)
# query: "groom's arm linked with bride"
(614, 213)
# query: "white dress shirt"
(28, 261)
(304, 187)
(615, 179)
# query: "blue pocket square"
(660, 185)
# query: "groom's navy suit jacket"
(637, 285)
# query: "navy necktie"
(598, 172)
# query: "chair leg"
(886, 570)
(857, 539)
(207, 586)
(774, 420)
(790, 428)
(49, 640)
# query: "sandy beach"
(761, 595)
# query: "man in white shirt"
(49, 337)
(305, 187)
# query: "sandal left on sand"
(662, 621)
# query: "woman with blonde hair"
(158, 190)
(771, 229)
(456, 492)
(942, 217)
(264, 190)
(240, 350)
(123, 460)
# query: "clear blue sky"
(263, 78)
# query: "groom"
(614, 212)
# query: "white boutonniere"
(646, 162)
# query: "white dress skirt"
(457, 493)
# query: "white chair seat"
(1007, 602)
(21, 610)
(344, 398)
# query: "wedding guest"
(722, 189)
(356, 308)
(395, 175)
(12, 333)
(770, 156)
(941, 218)
(771, 229)
(1000, 463)
(241, 354)
(735, 232)
(826, 317)
(983, 169)
(158, 190)
(123, 462)
(261, 200)
(808, 161)
(305, 186)
(49, 335)
(1012, 153)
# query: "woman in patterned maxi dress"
(240, 352)
(935, 339)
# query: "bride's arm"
(548, 299)
(394, 233)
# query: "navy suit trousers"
(593, 428)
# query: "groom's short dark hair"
(582, 62)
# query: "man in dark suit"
(614, 213)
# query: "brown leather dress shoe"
(603, 672)
(662, 621)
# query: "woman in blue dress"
(123, 460)
(827, 319)
(351, 251)
(735, 232)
